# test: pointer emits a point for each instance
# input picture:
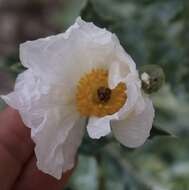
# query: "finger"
(16, 147)
(33, 179)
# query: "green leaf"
(156, 131)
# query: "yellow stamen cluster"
(87, 98)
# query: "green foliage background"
(152, 32)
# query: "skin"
(18, 170)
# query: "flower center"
(104, 94)
(95, 98)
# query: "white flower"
(82, 73)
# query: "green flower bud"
(152, 77)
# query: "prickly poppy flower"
(82, 74)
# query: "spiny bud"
(152, 77)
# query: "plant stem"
(101, 177)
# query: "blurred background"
(152, 32)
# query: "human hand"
(18, 170)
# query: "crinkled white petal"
(124, 58)
(31, 91)
(50, 138)
(65, 57)
(135, 129)
(72, 144)
(50, 113)
(121, 68)
(114, 74)
(99, 127)
(134, 95)
(140, 103)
